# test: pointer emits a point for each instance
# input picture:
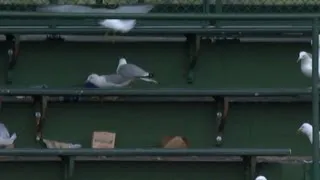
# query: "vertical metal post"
(218, 8)
(205, 6)
(315, 98)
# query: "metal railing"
(186, 6)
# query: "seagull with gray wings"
(306, 64)
(106, 81)
(132, 71)
(124, 25)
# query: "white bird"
(123, 26)
(132, 71)
(261, 178)
(107, 81)
(306, 64)
(306, 129)
(5, 138)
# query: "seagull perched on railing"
(106, 81)
(121, 25)
(305, 60)
(306, 129)
(132, 71)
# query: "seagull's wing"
(115, 79)
(131, 71)
(4, 132)
(134, 9)
(64, 8)
(310, 55)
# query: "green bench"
(69, 157)
(220, 99)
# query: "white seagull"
(121, 25)
(132, 71)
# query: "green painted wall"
(144, 124)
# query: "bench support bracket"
(13, 43)
(193, 45)
(221, 117)
(41, 104)
(250, 163)
(68, 166)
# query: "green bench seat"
(69, 157)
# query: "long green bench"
(69, 157)
(219, 98)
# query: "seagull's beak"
(299, 131)
(298, 60)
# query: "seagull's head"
(305, 128)
(261, 178)
(303, 56)
(92, 77)
(122, 61)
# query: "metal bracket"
(221, 117)
(193, 46)
(68, 166)
(13, 43)
(41, 104)
(249, 163)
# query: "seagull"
(132, 71)
(123, 26)
(306, 129)
(5, 138)
(306, 64)
(106, 81)
(261, 178)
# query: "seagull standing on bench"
(131, 71)
(106, 81)
(306, 129)
(121, 25)
(306, 64)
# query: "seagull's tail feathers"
(8, 141)
(149, 80)
(13, 137)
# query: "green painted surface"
(144, 124)
(245, 65)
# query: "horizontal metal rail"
(160, 16)
(155, 30)
(146, 152)
(156, 92)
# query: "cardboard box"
(103, 140)
(174, 142)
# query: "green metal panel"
(249, 125)
(213, 70)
